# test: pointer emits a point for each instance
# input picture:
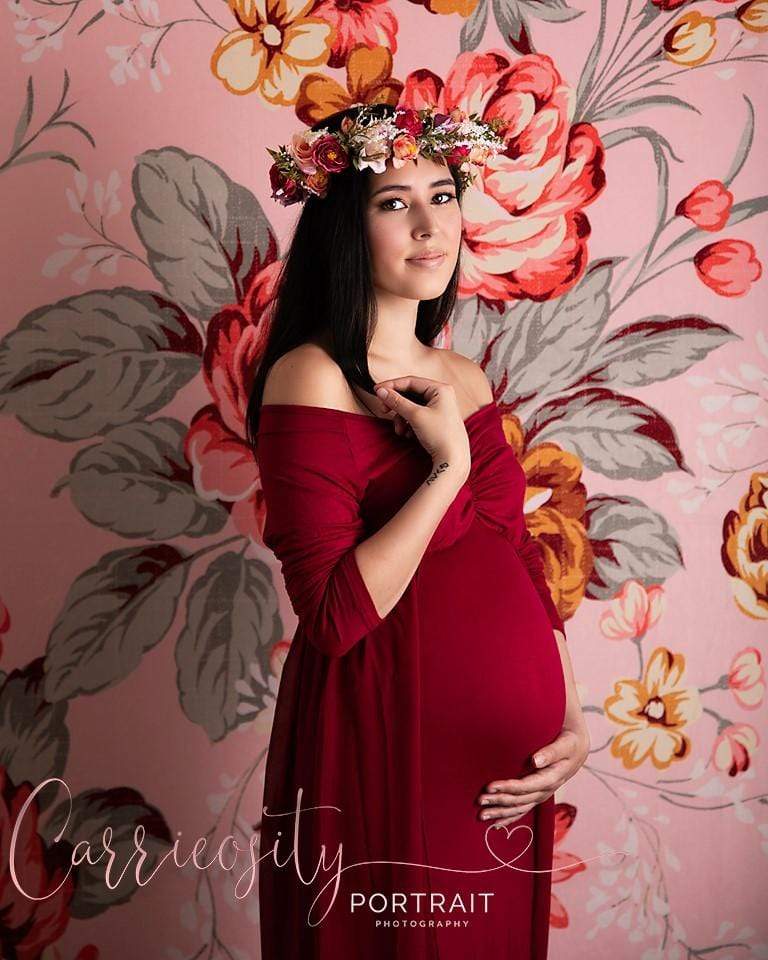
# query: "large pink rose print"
(525, 235)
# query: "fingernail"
(381, 392)
(538, 760)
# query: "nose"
(425, 224)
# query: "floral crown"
(369, 140)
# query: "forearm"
(388, 559)
(574, 715)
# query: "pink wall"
(144, 624)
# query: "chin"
(426, 291)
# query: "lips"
(431, 262)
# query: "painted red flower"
(746, 678)
(30, 925)
(372, 24)
(525, 235)
(734, 748)
(633, 611)
(728, 267)
(708, 205)
(564, 865)
(223, 465)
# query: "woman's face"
(410, 212)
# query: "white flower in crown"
(374, 155)
(370, 147)
(368, 141)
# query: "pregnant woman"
(430, 665)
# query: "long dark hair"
(325, 282)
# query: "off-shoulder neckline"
(362, 416)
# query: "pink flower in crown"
(404, 147)
(302, 152)
(329, 155)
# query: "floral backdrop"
(612, 287)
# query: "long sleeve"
(312, 494)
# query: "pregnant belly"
(492, 682)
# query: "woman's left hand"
(505, 801)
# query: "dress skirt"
(387, 729)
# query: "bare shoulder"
(471, 376)
(307, 374)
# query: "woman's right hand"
(437, 425)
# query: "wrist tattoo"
(438, 469)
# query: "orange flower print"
(691, 40)
(746, 678)
(524, 230)
(369, 80)
(708, 205)
(728, 267)
(464, 8)
(632, 612)
(754, 16)
(371, 25)
(734, 748)
(745, 549)
(654, 712)
(273, 47)
(555, 504)
(564, 865)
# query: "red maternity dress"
(391, 727)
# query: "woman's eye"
(444, 193)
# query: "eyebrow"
(404, 186)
